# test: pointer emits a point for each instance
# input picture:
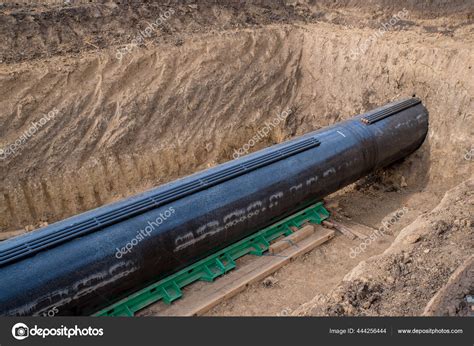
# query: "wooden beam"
(202, 296)
(344, 230)
(288, 241)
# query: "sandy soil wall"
(170, 108)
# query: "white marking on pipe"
(329, 171)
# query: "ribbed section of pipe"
(85, 263)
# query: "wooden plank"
(288, 241)
(201, 297)
(347, 229)
(344, 230)
(351, 231)
(362, 231)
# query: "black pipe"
(87, 262)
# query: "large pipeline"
(85, 263)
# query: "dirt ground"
(404, 278)
(201, 84)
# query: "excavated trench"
(172, 107)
